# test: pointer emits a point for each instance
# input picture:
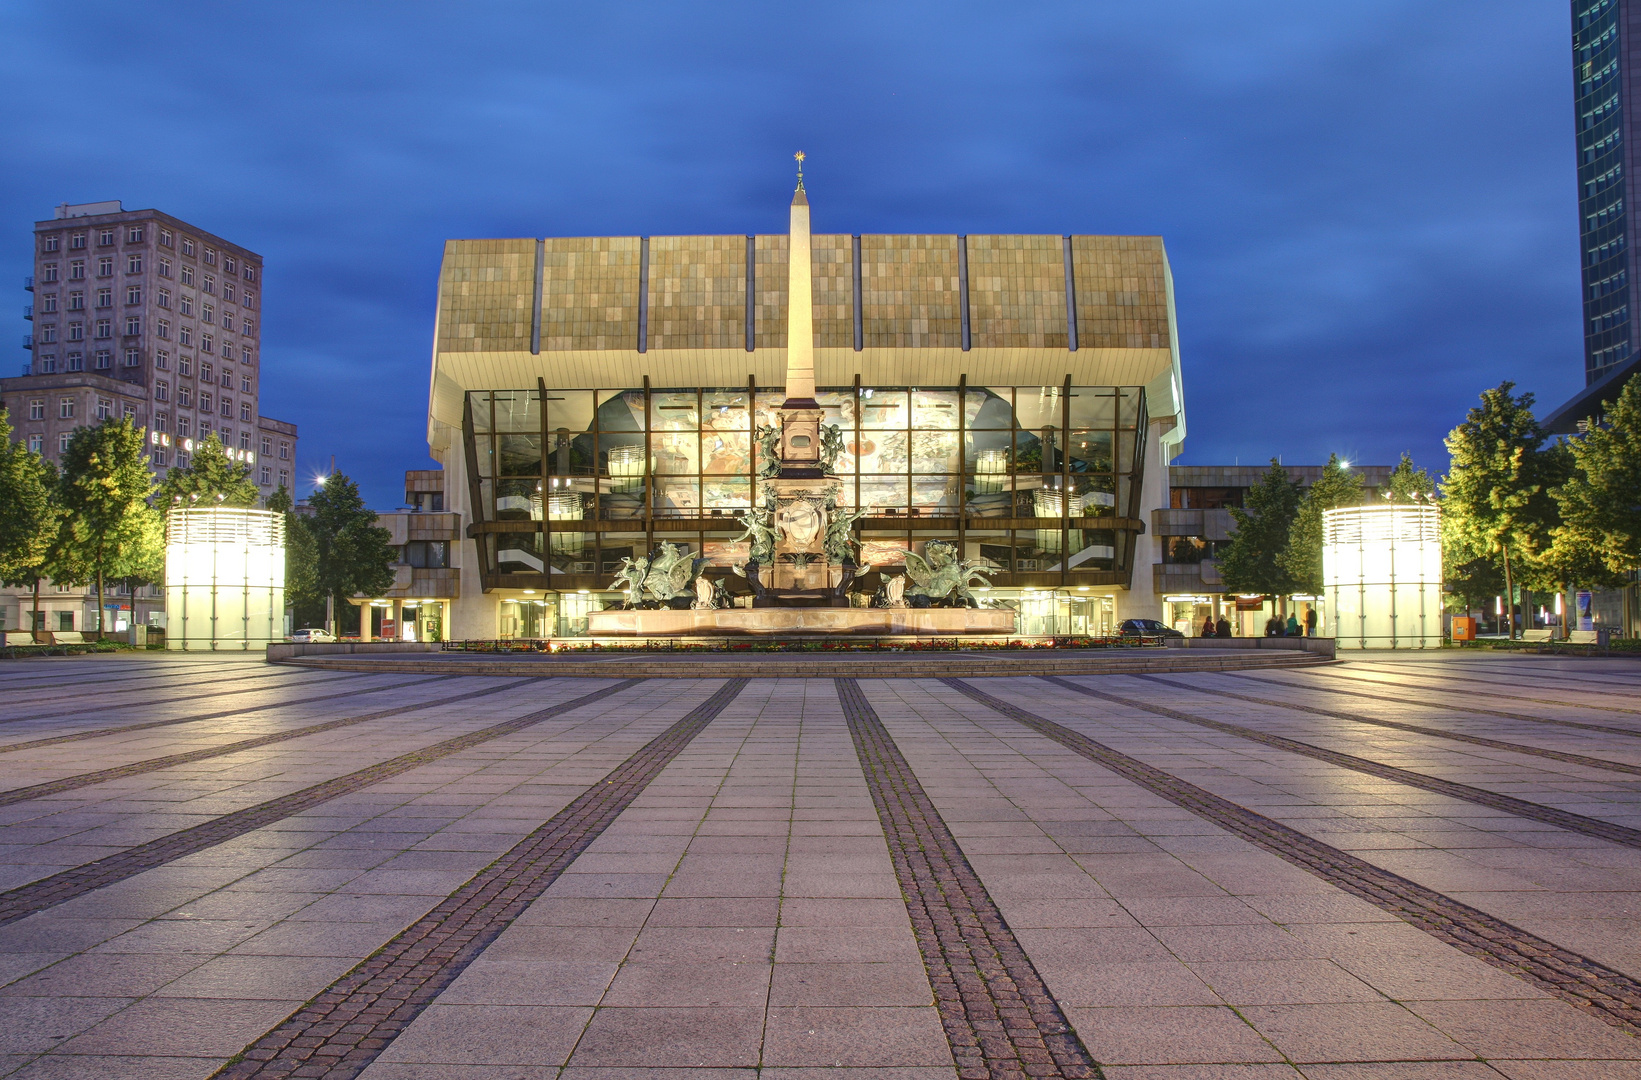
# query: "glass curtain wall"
(1032, 479)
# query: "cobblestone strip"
(999, 1017)
(176, 673)
(1476, 709)
(350, 1022)
(1417, 729)
(36, 896)
(204, 693)
(137, 768)
(1492, 692)
(1603, 992)
(1549, 815)
(80, 736)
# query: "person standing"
(1293, 626)
(1310, 621)
(1222, 629)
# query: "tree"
(302, 590)
(1496, 495)
(29, 514)
(1409, 484)
(1253, 560)
(351, 553)
(110, 529)
(1600, 502)
(1337, 486)
(210, 478)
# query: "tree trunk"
(101, 607)
(1566, 608)
(1509, 600)
(38, 624)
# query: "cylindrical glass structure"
(1382, 573)
(224, 578)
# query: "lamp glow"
(224, 578)
(1382, 575)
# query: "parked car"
(312, 636)
(1134, 628)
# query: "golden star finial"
(798, 157)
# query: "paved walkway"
(1390, 868)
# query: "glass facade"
(1600, 103)
(1041, 481)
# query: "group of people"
(1274, 626)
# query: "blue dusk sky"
(1369, 205)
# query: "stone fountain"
(802, 551)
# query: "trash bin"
(138, 634)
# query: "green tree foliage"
(1337, 486)
(302, 592)
(210, 478)
(350, 551)
(1600, 502)
(1409, 484)
(1253, 560)
(110, 530)
(29, 514)
(1496, 496)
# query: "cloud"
(1369, 207)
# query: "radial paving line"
(25, 900)
(1604, 992)
(1514, 667)
(98, 733)
(999, 1017)
(137, 768)
(1335, 674)
(1549, 815)
(1417, 729)
(343, 1029)
(206, 693)
(184, 669)
(1476, 710)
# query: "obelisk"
(800, 414)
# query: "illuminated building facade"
(1017, 396)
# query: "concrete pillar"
(364, 621)
(398, 620)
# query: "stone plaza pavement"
(1391, 868)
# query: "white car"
(313, 636)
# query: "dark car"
(1144, 628)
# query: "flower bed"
(787, 645)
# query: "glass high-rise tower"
(1604, 100)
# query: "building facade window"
(129, 412)
(267, 446)
(245, 412)
(48, 363)
(187, 245)
(49, 244)
(248, 300)
(133, 325)
(158, 457)
(133, 357)
(105, 237)
(37, 444)
(204, 402)
(48, 335)
(133, 294)
(165, 238)
(133, 234)
(209, 285)
(105, 298)
(65, 408)
(185, 304)
(245, 356)
(185, 424)
(62, 442)
(76, 331)
(48, 272)
(267, 476)
(105, 267)
(105, 409)
(284, 479)
(185, 335)
(105, 360)
(187, 276)
(76, 301)
(284, 451)
(76, 242)
(48, 304)
(227, 409)
(163, 267)
(162, 328)
(133, 264)
(76, 271)
(74, 361)
(249, 274)
(162, 360)
(162, 297)
(37, 408)
(210, 257)
(105, 328)
(162, 391)
(185, 399)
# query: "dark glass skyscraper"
(1605, 38)
(1603, 30)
